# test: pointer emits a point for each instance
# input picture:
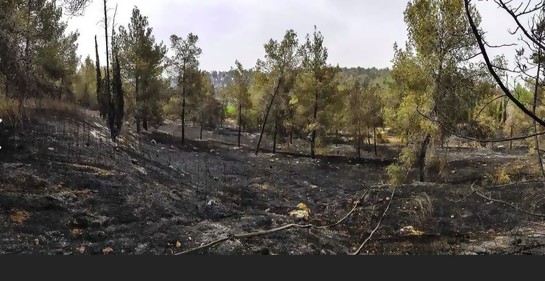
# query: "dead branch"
(244, 235)
(278, 229)
(506, 204)
(349, 213)
(517, 21)
(474, 139)
(376, 227)
(491, 69)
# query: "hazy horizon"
(357, 33)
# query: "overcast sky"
(357, 32)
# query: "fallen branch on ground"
(506, 204)
(376, 227)
(281, 228)
(245, 235)
(356, 204)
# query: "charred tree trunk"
(202, 121)
(22, 95)
(137, 98)
(422, 158)
(222, 114)
(145, 121)
(111, 117)
(534, 107)
(239, 120)
(315, 116)
(183, 106)
(61, 88)
(375, 140)
(275, 134)
(291, 136)
(275, 92)
(358, 142)
(511, 136)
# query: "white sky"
(357, 32)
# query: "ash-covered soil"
(66, 189)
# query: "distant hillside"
(374, 75)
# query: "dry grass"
(422, 211)
(9, 112)
(436, 165)
(512, 172)
(12, 115)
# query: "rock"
(107, 250)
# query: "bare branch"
(376, 227)
(491, 69)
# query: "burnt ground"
(66, 189)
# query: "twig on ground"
(506, 204)
(376, 227)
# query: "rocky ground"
(66, 189)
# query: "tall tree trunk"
(291, 136)
(422, 158)
(239, 119)
(111, 121)
(61, 88)
(275, 134)
(22, 95)
(222, 114)
(511, 136)
(368, 137)
(358, 142)
(275, 92)
(534, 107)
(375, 140)
(183, 105)
(137, 98)
(202, 120)
(145, 121)
(315, 118)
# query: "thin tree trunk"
(22, 95)
(137, 94)
(108, 89)
(239, 119)
(368, 137)
(291, 136)
(61, 87)
(275, 134)
(358, 142)
(202, 120)
(275, 92)
(315, 115)
(222, 114)
(511, 136)
(375, 140)
(422, 158)
(145, 121)
(183, 107)
(536, 138)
